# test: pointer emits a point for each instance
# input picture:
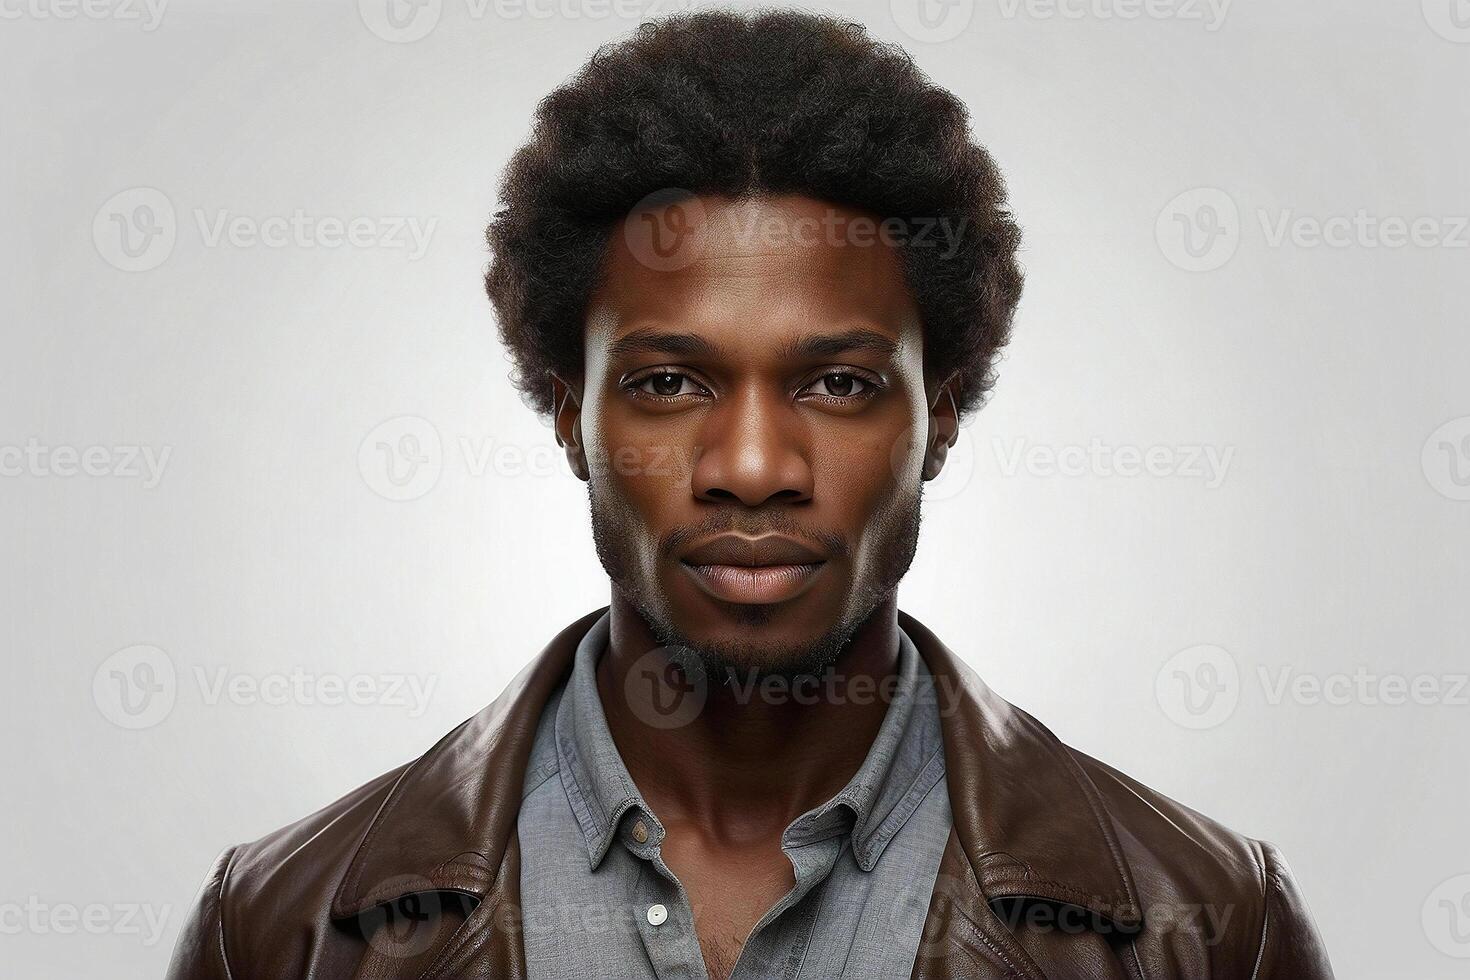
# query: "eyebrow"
(647, 341)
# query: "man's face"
(755, 368)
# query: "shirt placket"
(664, 916)
(662, 911)
(776, 948)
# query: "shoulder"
(253, 885)
(1046, 826)
(402, 832)
(437, 825)
(1165, 835)
(307, 853)
(1202, 881)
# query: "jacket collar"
(1029, 820)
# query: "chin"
(756, 642)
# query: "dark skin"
(736, 430)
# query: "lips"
(736, 549)
(768, 569)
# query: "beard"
(631, 559)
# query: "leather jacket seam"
(1258, 855)
(994, 947)
(477, 869)
(473, 939)
(349, 887)
(1084, 898)
(224, 956)
(1099, 814)
(1137, 961)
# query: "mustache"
(754, 525)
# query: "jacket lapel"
(1027, 822)
(449, 825)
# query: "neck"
(760, 752)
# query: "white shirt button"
(657, 914)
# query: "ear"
(944, 429)
(566, 419)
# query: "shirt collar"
(597, 783)
(903, 764)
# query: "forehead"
(749, 269)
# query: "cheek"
(868, 475)
(646, 466)
(654, 475)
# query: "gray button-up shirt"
(597, 899)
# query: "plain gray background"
(274, 520)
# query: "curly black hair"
(738, 104)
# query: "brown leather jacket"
(1058, 866)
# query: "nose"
(754, 451)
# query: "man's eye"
(664, 384)
(842, 384)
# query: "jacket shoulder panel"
(199, 953)
(1203, 887)
(1290, 945)
(278, 892)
